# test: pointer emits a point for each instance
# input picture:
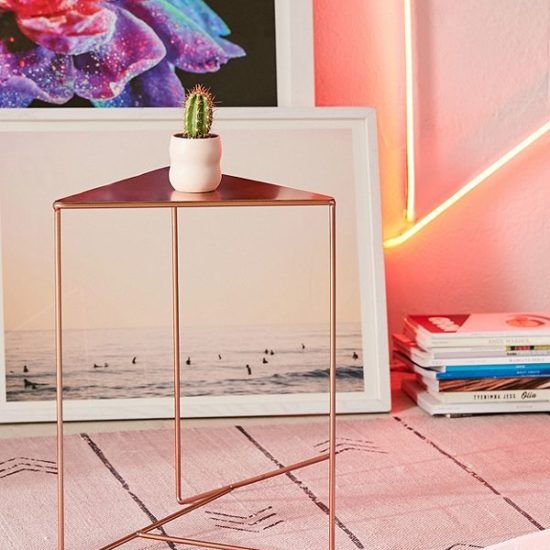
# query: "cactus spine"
(199, 105)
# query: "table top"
(153, 190)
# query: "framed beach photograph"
(254, 281)
(63, 61)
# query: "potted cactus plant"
(195, 153)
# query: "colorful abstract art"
(117, 53)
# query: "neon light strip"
(472, 184)
(409, 105)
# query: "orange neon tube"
(409, 107)
(410, 214)
(472, 184)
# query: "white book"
(434, 406)
(424, 358)
(490, 396)
(451, 352)
(480, 385)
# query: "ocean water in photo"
(133, 363)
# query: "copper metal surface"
(152, 190)
(199, 543)
(176, 339)
(332, 391)
(163, 521)
(260, 477)
(59, 383)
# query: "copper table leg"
(59, 384)
(201, 499)
(159, 523)
(176, 340)
(332, 391)
(199, 543)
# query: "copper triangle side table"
(153, 190)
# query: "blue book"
(493, 371)
(454, 372)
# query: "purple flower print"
(118, 53)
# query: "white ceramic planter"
(195, 163)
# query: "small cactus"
(199, 105)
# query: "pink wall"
(483, 84)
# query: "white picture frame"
(295, 78)
(360, 124)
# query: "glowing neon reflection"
(409, 105)
(410, 215)
(472, 184)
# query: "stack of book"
(477, 363)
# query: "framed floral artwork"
(143, 54)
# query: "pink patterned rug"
(407, 482)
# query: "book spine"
(490, 396)
(469, 356)
(489, 371)
(442, 354)
(475, 361)
(487, 384)
(473, 372)
(497, 366)
(434, 406)
(430, 342)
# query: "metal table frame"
(138, 197)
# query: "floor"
(406, 481)
(477, 479)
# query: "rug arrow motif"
(344, 444)
(254, 523)
(461, 546)
(20, 464)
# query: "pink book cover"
(480, 324)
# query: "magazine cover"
(478, 324)
(479, 329)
